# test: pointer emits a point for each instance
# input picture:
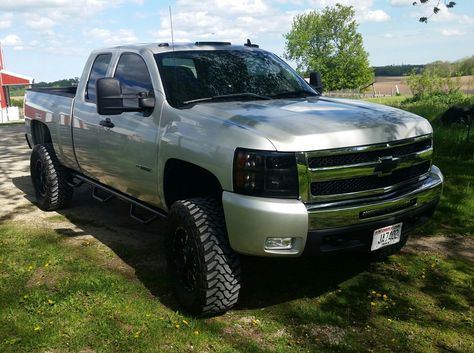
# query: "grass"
(60, 292)
(454, 155)
(64, 295)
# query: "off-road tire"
(203, 267)
(49, 178)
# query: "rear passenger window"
(98, 70)
(133, 74)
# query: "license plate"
(386, 236)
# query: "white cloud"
(11, 40)
(357, 4)
(6, 20)
(400, 3)
(222, 20)
(374, 16)
(40, 23)
(291, 2)
(38, 12)
(122, 36)
(34, 5)
(452, 32)
(444, 15)
(465, 20)
(363, 9)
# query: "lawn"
(64, 292)
(454, 154)
(64, 295)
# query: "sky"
(50, 40)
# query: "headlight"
(264, 173)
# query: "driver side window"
(133, 74)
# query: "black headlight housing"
(265, 173)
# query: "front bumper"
(325, 227)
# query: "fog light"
(278, 243)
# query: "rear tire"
(203, 267)
(49, 178)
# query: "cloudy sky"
(51, 39)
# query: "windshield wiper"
(227, 96)
(301, 93)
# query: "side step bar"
(154, 213)
(95, 194)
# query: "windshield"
(200, 76)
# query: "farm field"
(89, 279)
(386, 86)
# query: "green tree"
(328, 42)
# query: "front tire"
(203, 267)
(49, 178)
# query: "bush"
(430, 83)
(16, 103)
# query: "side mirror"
(109, 96)
(315, 81)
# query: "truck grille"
(367, 170)
(371, 156)
(369, 182)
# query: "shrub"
(430, 83)
(16, 103)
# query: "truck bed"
(57, 91)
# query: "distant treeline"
(61, 83)
(463, 67)
(397, 70)
(20, 91)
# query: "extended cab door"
(86, 130)
(124, 156)
(129, 150)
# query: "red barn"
(7, 79)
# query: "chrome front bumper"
(251, 220)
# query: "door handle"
(106, 123)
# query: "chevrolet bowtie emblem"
(386, 165)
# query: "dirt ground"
(88, 220)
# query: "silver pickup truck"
(239, 154)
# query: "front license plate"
(386, 236)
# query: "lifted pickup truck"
(238, 152)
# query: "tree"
(449, 4)
(328, 42)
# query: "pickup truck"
(238, 153)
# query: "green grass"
(64, 295)
(454, 155)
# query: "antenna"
(171, 26)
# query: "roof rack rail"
(250, 44)
(212, 43)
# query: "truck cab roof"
(164, 47)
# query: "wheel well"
(40, 133)
(183, 180)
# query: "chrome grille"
(361, 171)
(343, 186)
(371, 156)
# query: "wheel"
(384, 253)
(49, 179)
(204, 269)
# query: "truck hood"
(317, 123)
